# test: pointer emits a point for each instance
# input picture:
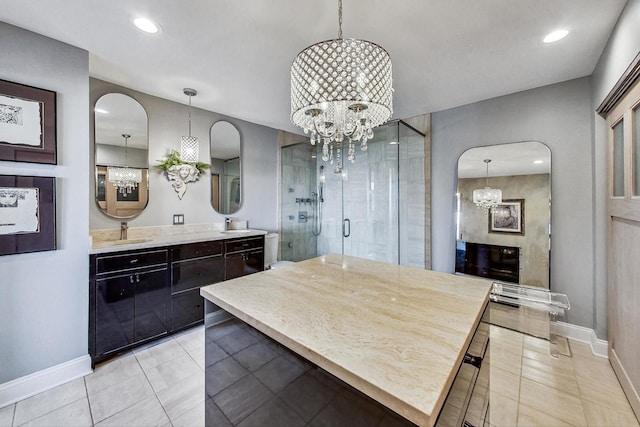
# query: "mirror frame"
(217, 171)
(97, 117)
(495, 239)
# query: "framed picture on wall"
(507, 217)
(27, 124)
(27, 214)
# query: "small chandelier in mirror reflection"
(189, 145)
(487, 197)
(341, 89)
(124, 178)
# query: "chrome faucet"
(227, 223)
(123, 230)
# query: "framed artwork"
(27, 214)
(27, 124)
(507, 217)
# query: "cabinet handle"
(131, 279)
(137, 278)
(133, 261)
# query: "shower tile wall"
(297, 241)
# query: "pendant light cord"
(340, 19)
(189, 115)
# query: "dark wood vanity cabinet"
(192, 266)
(128, 300)
(243, 256)
(137, 296)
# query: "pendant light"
(487, 197)
(124, 178)
(189, 145)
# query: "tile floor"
(162, 384)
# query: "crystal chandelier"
(341, 89)
(487, 197)
(189, 145)
(124, 178)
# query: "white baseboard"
(586, 335)
(29, 385)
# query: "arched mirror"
(511, 240)
(226, 168)
(121, 156)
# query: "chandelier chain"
(340, 19)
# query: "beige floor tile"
(553, 402)
(608, 395)
(75, 414)
(503, 411)
(505, 360)
(112, 372)
(552, 372)
(173, 371)
(537, 344)
(198, 356)
(530, 417)
(147, 413)
(504, 383)
(557, 364)
(184, 395)
(595, 367)
(156, 355)
(191, 339)
(601, 416)
(48, 401)
(192, 418)
(6, 415)
(580, 349)
(119, 396)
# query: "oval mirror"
(510, 241)
(121, 156)
(226, 168)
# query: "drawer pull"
(131, 279)
(475, 361)
(133, 261)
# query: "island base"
(251, 380)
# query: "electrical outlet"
(178, 219)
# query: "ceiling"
(237, 53)
(506, 160)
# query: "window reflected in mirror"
(226, 168)
(511, 241)
(121, 156)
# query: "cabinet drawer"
(127, 261)
(187, 308)
(195, 273)
(196, 250)
(244, 244)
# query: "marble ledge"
(107, 241)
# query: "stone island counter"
(337, 340)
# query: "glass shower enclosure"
(375, 208)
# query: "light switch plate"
(178, 219)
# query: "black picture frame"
(507, 217)
(42, 151)
(43, 237)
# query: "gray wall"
(558, 115)
(44, 295)
(167, 122)
(623, 46)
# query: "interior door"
(624, 234)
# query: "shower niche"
(375, 208)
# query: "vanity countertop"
(141, 242)
(396, 333)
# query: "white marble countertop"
(398, 334)
(139, 241)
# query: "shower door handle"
(346, 227)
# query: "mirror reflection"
(226, 195)
(121, 156)
(511, 241)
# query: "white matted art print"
(19, 210)
(20, 121)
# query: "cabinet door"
(187, 308)
(186, 275)
(243, 263)
(151, 304)
(114, 313)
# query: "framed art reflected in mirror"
(27, 214)
(507, 217)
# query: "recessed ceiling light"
(555, 36)
(146, 25)
(100, 110)
(538, 162)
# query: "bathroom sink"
(107, 243)
(245, 230)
